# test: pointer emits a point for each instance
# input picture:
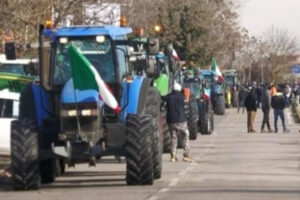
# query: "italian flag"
(206, 95)
(86, 77)
(175, 55)
(216, 68)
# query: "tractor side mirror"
(10, 51)
(152, 69)
(153, 47)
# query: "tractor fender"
(138, 89)
(41, 103)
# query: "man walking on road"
(177, 122)
(241, 98)
(265, 107)
(278, 104)
(251, 106)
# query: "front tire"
(192, 119)
(138, 149)
(24, 155)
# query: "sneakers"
(187, 158)
(173, 158)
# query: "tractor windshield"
(208, 79)
(100, 55)
(12, 68)
(229, 80)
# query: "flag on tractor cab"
(86, 77)
(175, 55)
(216, 69)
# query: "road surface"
(230, 164)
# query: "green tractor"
(231, 85)
(15, 74)
(169, 71)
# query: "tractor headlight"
(71, 113)
(68, 113)
(89, 112)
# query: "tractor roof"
(115, 32)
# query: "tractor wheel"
(62, 164)
(166, 133)
(205, 122)
(219, 106)
(139, 150)
(234, 99)
(211, 117)
(193, 118)
(48, 170)
(152, 107)
(24, 155)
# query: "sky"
(259, 15)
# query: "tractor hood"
(69, 95)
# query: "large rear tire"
(205, 118)
(166, 133)
(24, 155)
(139, 150)
(152, 107)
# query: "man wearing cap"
(278, 104)
(251, 106)
(177, 122)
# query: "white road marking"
(182, 173)
(173, 182)
(163, 190)
(153, 198)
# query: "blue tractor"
(201, 91)
(59, 126)
(216, 91)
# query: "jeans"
(279, 113)
(241, 104)
(266, 120)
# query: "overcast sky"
(258, 15)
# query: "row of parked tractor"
(58, 126)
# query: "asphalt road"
(230, 164)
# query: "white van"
(9, 110)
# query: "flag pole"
(77, 114)
(76, 105)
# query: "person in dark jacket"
(265, 100)
(241, 98)
(177, 122)
(278, 104)
(251, 106)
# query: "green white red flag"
(86, 77)
(216, 68)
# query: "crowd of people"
(266, 97)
